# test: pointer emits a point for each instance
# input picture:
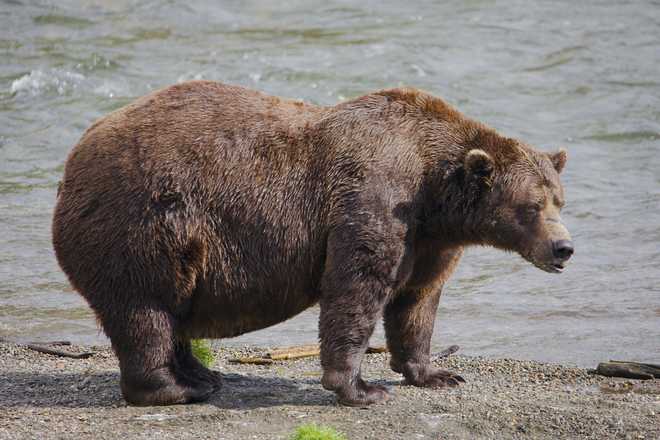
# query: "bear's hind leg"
(143, 337)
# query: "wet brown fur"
(209, 210)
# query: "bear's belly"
(215, 315)
(259, 273)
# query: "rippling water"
(585, 75)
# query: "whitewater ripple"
(62, 82)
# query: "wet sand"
(44, 396)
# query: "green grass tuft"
(202, 351)
(314, 432)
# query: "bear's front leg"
(409, 321)
(356, 284)
(345, 329)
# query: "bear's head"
(517, 201)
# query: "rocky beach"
(47, 397)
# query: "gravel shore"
(44, 396)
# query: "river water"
(584, 75)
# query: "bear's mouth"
(554, 267)
(551, 268)
(558, 267)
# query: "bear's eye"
(534, 209)
(528, 213)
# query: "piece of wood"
(302, 351)
(630, 370)
(283, 352)
(642, 364)
(446, 352)
(41, 348)
(251, 360)
(291, 353)
(295, 354)
(37, 342)
(55, 352)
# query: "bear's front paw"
(435, 378)
(353, 391)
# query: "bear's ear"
(558, 159)
(479, 163)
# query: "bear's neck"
(448, 214)
(450, 204)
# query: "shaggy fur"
(209, 210)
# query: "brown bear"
(205, 210)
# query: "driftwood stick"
(291, 353)
(641, 364)
(41, 348)
(284, 352)
(251, 360)
(296, 354)
(55, 352)
(630, 370)
(37, 342)
(302, 351)
(447, 352)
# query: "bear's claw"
(437, 378)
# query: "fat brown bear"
(205, 210)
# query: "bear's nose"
(562, 249)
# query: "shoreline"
(45, 396)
